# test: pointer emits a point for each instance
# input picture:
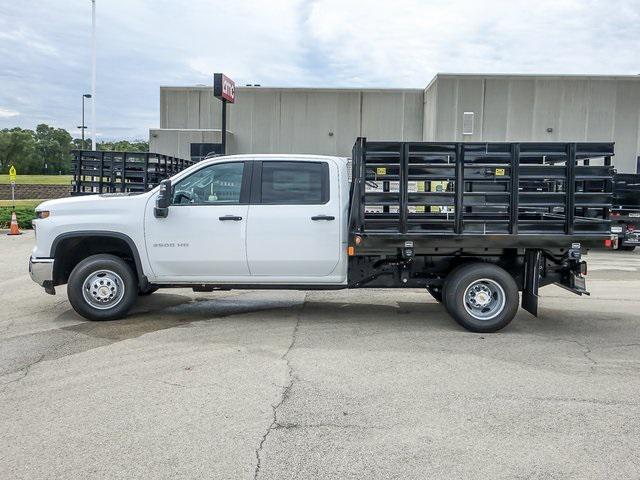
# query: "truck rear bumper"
(41, 271)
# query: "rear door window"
(294, 183)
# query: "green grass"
(21, 203)
(38, 179)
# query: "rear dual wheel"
(481, 297)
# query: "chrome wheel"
(484, 299)
(103, 289)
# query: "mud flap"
(532, 259)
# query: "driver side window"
(218, 184)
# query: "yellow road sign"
(12, 174)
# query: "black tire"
(147, 291)
(436, 292)
(626, 248)
(494, 285)
(116, 276)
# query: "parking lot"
(345, 384)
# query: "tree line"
(47, 150)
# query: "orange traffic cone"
(15, 230)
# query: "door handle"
(230, 217)
(323, 217)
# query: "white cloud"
(411, 40)
(142, 44)
(7, 113)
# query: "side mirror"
(163, 200)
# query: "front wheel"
(102, 287)
(481, 297)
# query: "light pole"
(83, 126)
(93, 75)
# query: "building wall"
(522, 108)
(288, 120)
(327, 121)
(177, 142)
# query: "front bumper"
(41, 271)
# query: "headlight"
(43, 214)
(616, 229)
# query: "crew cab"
(444, 217)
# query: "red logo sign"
(224, 87)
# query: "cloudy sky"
(45, 55)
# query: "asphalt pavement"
(362, 384)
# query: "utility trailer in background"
(122, 172)
(528, 209)
(625, 214)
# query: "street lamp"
(83, 126)
(93, 76)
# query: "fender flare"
(142, 279)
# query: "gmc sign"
(224, 88)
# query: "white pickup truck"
(307, 222)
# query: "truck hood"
(86, 204)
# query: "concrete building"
(470, 108)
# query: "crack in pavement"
(50, 353)
(285, 391)
(193, 386)
(25, 371)
(293, 426)
(586, 350)
(623, 345)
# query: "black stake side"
(101, 180)
(78, 172)
(404, 186)
(570, 189)
(361, 185)
(459, 188)
(534, 221)
(515, 183)
(146, 171)
(112, 182)
(354, 217)
(123, 174)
